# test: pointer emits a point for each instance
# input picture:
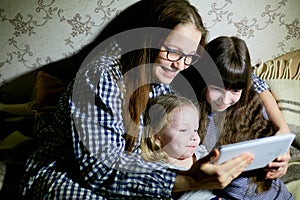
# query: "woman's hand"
(205, 175)
(278, 167)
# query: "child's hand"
(278, 167)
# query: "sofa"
(283, 76)
(20, 119)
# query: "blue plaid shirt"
(85, 159)
(242, 187)
(94, 105)
(258, 84)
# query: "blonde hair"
(157, 117)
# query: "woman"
(91, 149)
(234, 113)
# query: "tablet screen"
(265, 150)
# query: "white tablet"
(265, 150)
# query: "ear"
(155, 136)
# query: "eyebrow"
(178, 49)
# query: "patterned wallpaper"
(37, 32)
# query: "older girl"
(233, 112)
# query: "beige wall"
(34, 33)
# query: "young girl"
(231, 111)
(171, 136)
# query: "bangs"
(233, 78)
(232, 60)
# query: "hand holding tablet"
(265, 150)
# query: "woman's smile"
(173, 72)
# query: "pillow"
(48, 89)
(282, 74)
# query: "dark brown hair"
(243, 120)
(232, 60)
(247, 123)
(232, 66)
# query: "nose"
(179, 65)
(193, 136)
(226, 98)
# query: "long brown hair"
(233, 67)
(148, 13)
(243, 120)
(246, 123)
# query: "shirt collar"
(160, 89)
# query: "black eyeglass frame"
(195, 57)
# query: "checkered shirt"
(96, 167)
(258, 84)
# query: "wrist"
(184, 182)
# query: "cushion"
(293, 187)
(12, 140)
(282, 74)
(20, 109)
(48, 89)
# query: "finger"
(283, 158)
(215, 154)
(275, 165)
(276, 173)
(211, 157)
(282, 170)
(236, 166)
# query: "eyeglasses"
(175, 55)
